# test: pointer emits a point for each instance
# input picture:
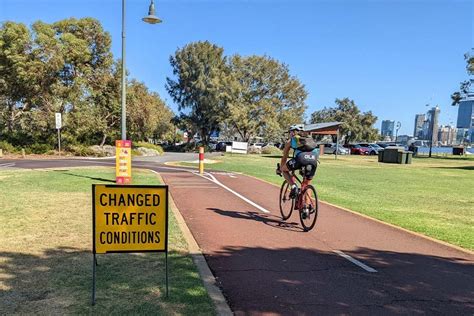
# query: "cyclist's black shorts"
(306, 159)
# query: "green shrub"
(7, 147)
(271, 150)
(81, 150)
(158, 148)
(38, 148)
(136, 152)
(254, 150)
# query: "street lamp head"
(151, 17)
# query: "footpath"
(347, 264)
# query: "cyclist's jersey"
(297, 143)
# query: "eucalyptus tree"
(202, 86)
(268, 98)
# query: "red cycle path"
(266, 266)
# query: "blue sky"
(392, 57)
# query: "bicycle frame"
(303, 184)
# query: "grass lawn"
(432, 196)
(46, 259)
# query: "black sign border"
(129, 186)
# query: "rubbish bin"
(458, 150)
(391, 154)
(409, 157)
(380, 155)
(402, 157)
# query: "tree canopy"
(267, 100)
(253, 96)
(465, 86)
(201, 87)
(68, 67)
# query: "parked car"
(280, 145)
(257, 145)
(385, 145)
(212, 145)
(374, 148)
(331, 149)
(222, 145)
(357, 149)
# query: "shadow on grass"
(83, 176)
(266, 219)
(271, 156)
(466, 158)
(457, 167)
(59, 282)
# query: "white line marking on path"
(213, 179)
(355, 261)
(6, 165)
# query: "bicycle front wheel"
(309, 209)
(286, 203)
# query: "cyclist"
(305, 154)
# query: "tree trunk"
(203, 136)
(11, 119)
(103, 140)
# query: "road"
(347, 265)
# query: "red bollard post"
(201, 160)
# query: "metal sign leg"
(94, 262)
(166, 267)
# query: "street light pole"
(151, 19)
(396, 131)
(431, 134)
(124, 79)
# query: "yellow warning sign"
(130, 218)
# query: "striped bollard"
(201, 160)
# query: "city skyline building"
(388, 128)
(418, 130)
(465, 120)
(447, 135)
(430, 125)
(433, 118)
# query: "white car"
(331, 149)
(257, 145)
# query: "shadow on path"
(266, 219)
(302, 281)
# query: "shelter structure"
(327, 128)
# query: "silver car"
(331, 149)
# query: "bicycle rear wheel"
(286, 203)
(309, 209)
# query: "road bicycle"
(305, 201)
